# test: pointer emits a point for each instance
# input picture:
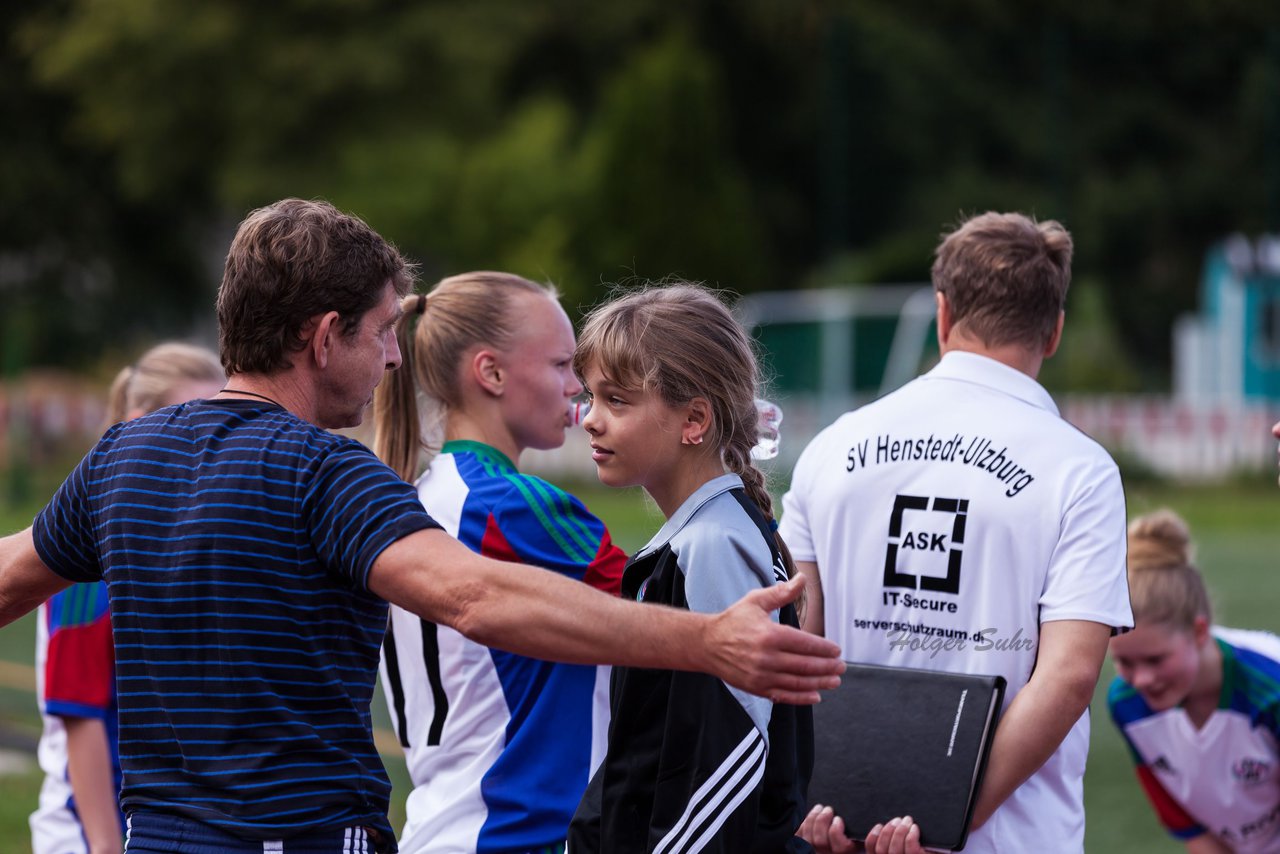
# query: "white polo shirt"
(948, 520)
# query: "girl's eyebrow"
(609, 385)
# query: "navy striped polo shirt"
(236, 539)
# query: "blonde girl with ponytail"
(79, 808)
(170, 372)
(673, 382)
(499, 746)
(1198, 704)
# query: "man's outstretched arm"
(545, 615)
(25, 581)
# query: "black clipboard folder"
(897, 741)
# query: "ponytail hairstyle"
(680, 342)
(149, 382)
(1164, 586)
(459, 313)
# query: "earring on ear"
(697, 440)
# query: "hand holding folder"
(896, 741)
(825, 831)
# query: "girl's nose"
(1142, 677)
(589, 419)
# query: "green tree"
(74, 252)
(666, 197)
(750, 144)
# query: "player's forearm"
(93, 784)
(1033, 726)
(25, 581)
(1044, 711)
(531, 611)
(814, 619)
(545, 615)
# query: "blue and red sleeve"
(79, 670)
(543, 525)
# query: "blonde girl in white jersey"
(1198, 704)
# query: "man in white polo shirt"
(960, 524)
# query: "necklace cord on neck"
(230, 390)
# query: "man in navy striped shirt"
(249, 554)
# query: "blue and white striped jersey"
(236, 540)
(499, 746)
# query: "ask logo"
(920, 539)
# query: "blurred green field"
(1235, 526)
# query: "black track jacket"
(693, 764)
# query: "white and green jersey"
(1221, 778)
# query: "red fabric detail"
(1169, 811)
(605, 570)
(603, 573)
(80, 665)
(494, 544)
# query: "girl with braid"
(692, 764)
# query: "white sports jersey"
(54, 827)
(949, 520)
(1224, 777)
(499, 746)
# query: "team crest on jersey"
(1250, 771)
(926, 536)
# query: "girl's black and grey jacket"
(693, 764)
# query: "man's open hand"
(747, 649)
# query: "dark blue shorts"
(157, 833)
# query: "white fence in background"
(1201, 441)
(45, 416)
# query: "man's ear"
(697, 422)
(486, 368)
(944, 320)
(324, 331)
(1052, 346)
